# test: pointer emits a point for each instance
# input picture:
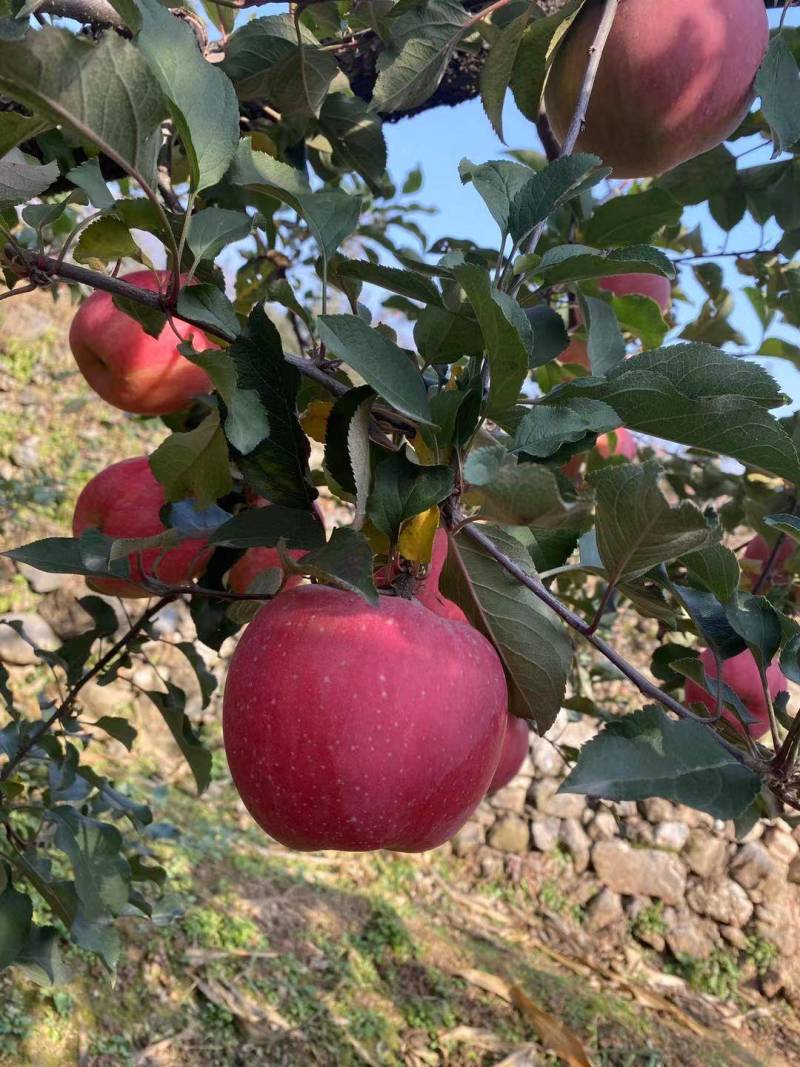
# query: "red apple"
(740, 673)
(355, 727)
(624, 445)
(126, 366)
(675, 79)
(576, 352)
(124, 501)
(759, 551)
(512, 756)
(655, 286)
(428, 592)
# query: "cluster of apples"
(345, 726)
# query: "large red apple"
(675, 79)
(655, 286)
(512, 756)
(355, 727)
(428, 592)
(759, 551)
(126, 366)
(124, 501)
(740, 673)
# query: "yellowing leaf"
(314, 419)
(553, 1034)
(416, 537)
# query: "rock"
(546, 759)
(545, 832)
(111, 699)
(780, 845)
(26, 454)
(64, 614)
(603, 826)
(638, 830)
(755, 833)
(778, 920)
(509, 834)
(604, 910)
(737, 937)
(705, 854)
(624, 809)
(687, 935)
(640, 871)
(672, 835)
(794, 870)
(751, 865)
(721, 899)
(575, 838)
(563, 805)
(512, 798)
(491, 864)
(468, 839)
(16, 650)
(40, 581)
(771, 983)
(655, 809)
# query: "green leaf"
(530, 640)
(711, 620)
(299, 83)
(88, 555)
(88, 177)
(701, 178)
(524, 494)
(498, 68)
(344, 562)
(264, 527)
(21, 181)
(403, 489)
(544, 429)
(264, 173)
(700, 396)
(278, 467)
(108, 239)
(202, 100)
(40, 957)
(442, 336)
(104, 93)
(640, 316)
(606, 345)
(498, 183)
(194, 464)
(631, 219)
(209, 306)
(356, 136)
(102, 874)
(16, 128)
(16, 913)
(786, 524)
(253, 51)
(576, 263)
(648, 755)
(118, 728)
(381, 363)
(213, 229)
(152, 320)
(636, 527)
(404, 282)
(172, 705)
(422, 41)
(716, 568)
(206, 680)
(549, 189)
(346, 410)
(507, 335)
(778, 85)
(536, 50)
(758, 624)
(550, 337)
(246, 422)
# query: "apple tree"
(527, 438)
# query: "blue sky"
(438, 139)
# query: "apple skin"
(625, 444)
(126, 366)
(124, 501)
(515, 749)
(740, 673)
(354, 727)
(758, 552)
(675, 79)
(428, 592)
(655, 286)
(576, 352)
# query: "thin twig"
(68, 702)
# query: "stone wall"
(670, 877)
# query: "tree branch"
(68, 702)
